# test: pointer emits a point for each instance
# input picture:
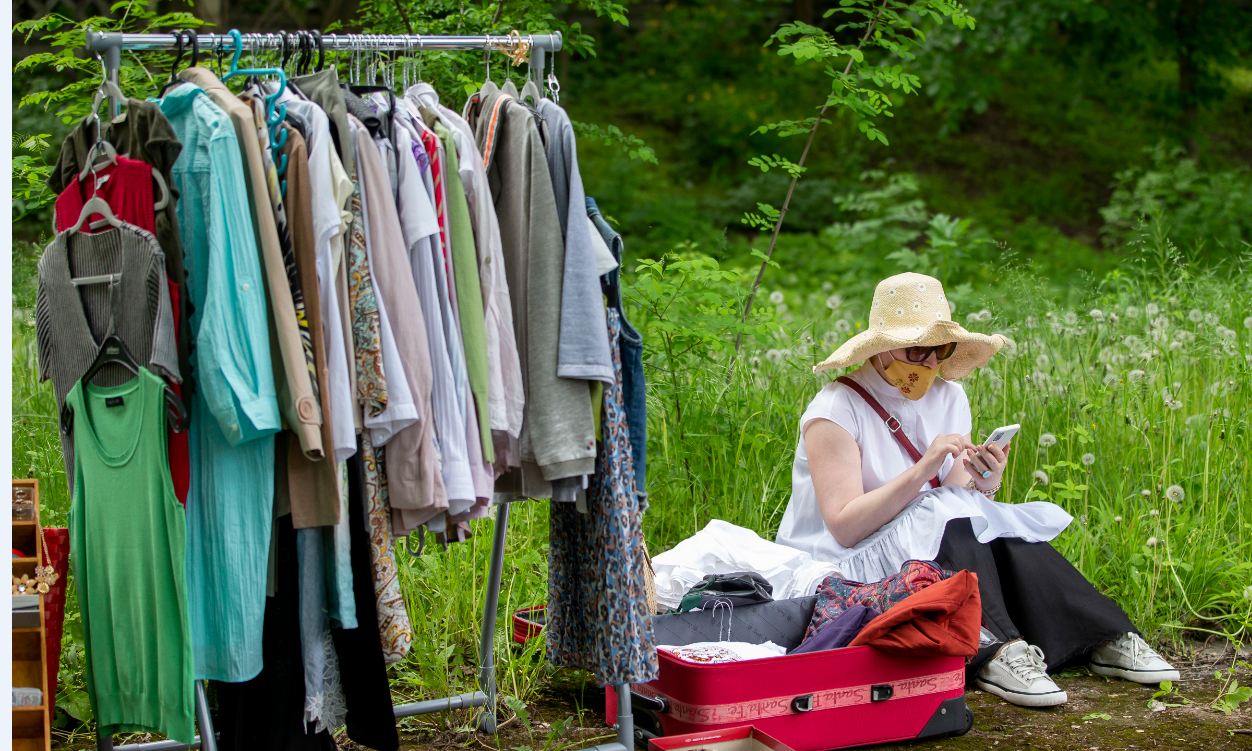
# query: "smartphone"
(1001, 436)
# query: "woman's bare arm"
(850, 513)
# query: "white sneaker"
(1018, 675)
(1130, 657)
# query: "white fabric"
(420, 227)
(328, 227)
(723, 548)
(605, 262)
(401, 409)
(917, 530)
(713, 652)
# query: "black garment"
(1032, 592)
(267, 712)
(362, 670)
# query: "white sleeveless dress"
(917, 531)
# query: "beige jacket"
(300, 410)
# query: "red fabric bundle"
(942, 619)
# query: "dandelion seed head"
(1152, 542)
(827, 286)
(1136, 375)
(1132, 311)
(843, 326)
(1070, 318)
(834, 301)
(1046, 440)
(1043, 360)
(1145, 493)
(1225, 333)
(1210, 319)
(1117, 519)
(1247, 592)
(1113, 318)
(1175, 493)
(1040, 477)
(1195, 316)
(1247, 322)
(1097, 315)
(776, 297)
(1154, 512)
(1152, 309)
(1088, 459)
(775, 355)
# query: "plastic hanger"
(113, 351)
(275, 113)
(183, 36)
(95, 205)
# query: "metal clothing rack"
(108, 46)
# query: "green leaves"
(633, 146)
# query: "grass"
(1140, 378)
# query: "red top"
(126, 186)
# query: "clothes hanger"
(275, 113)
(321, 49)
(113, 351)
(179, 50)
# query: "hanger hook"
(195, 47)
(321, 49)
(237, 38)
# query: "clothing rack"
(108, 46)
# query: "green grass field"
(1133, 394)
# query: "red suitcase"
(840, 698)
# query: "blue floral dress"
(597, 609)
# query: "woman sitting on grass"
(865, 502)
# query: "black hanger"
(285, 54)
(113, 351)
(305, 65)
(179, 50)
(321, 49)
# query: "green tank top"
(128, 544)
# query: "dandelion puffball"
(1175, 493)
(1152, 542)
(1088, 459)
(1046, 440)
(1040, 476)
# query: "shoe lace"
(1138, 648)
(1029, 665)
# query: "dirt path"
(1102, 715)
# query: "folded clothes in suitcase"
(839, 698)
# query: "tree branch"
(791, 188)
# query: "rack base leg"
(486, 646)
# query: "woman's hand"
(986, 459)
(952, 444)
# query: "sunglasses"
(921, 354)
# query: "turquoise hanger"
(275, 113)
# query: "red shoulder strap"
(890, 421)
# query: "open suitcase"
(840, 698)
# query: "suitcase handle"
(802, 703)
(655, 704)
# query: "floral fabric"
(836, 594)
(393, 620)
(371, 381)
(597, 608)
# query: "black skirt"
(1029, 591)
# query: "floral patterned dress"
(597, 609)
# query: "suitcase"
(840, 698)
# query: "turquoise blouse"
(234, 412)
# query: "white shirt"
(328, 227)
(917, 531)
(401, 410)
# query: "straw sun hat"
(910, 310)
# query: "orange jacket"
(942, 619)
